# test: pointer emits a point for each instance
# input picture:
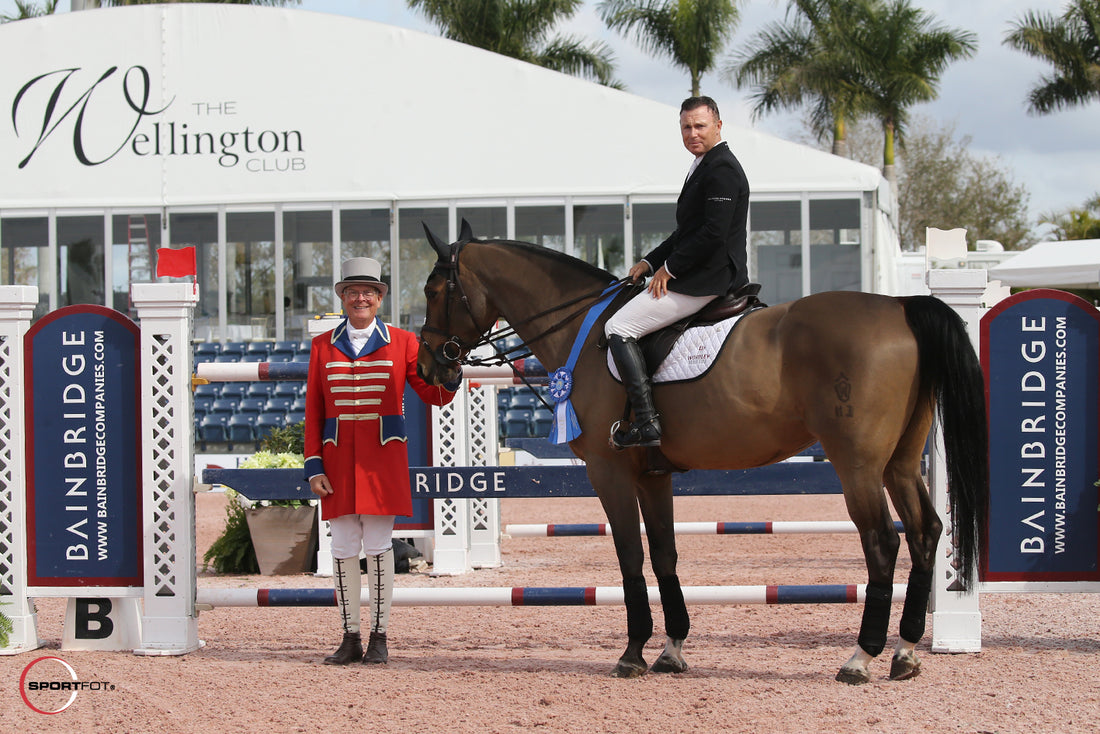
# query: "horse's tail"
(950, 371)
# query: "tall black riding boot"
(646, 428)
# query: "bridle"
(454, 351)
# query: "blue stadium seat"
(208, 390)
(541, 420)
(234, 348)
(258, 348)
(276, 404)
(517, 423)
(252, 405)
(300, 357)
(295, 416)
(260, 389)
(279, 357)
(212, 428)
(241, 428)
(299, 405)
(233, 389)
(203, 403)
(287, 388)
(287, 348)
(268, 422)
(228, 406)
(210, 349)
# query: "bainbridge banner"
(83, 450)
(1041, 356)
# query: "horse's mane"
(557, 258)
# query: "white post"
(482, 450)
(17, 304)
(450, 447)
(956, 618)
(169, 624)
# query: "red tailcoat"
(355, 424)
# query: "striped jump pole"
(534, 596)
(263, 371)
(570, 530)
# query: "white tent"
(1070, 264)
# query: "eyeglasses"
(352, 294)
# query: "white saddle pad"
(692, 354)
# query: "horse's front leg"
(655, 498)
(616, 493)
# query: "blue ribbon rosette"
(566, 427)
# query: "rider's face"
(700, 130)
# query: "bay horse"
(860, 373)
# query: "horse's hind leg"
(655, 498)
(922, 532)
(867, 507)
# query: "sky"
(1056, 157)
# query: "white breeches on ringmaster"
(644, 314)
(371, 534)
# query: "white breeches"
(371, 534)
(644, 314)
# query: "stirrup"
(641, 434)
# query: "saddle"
(656, 346)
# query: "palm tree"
(691, 33)
(902, 55)
(1071, 44)
(808, 59)
(1076, 224)
(521, 29)
(24, 10)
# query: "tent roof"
(371, 111)
(1069, 264)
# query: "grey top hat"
(360, 271)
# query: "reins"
(452, 350)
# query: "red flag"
(176, 263)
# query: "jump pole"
(778, 527)
(533, 596)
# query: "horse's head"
(458, 312)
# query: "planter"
(285, 538)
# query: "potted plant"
(270, 537)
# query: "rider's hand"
(639, 272)
(658, 286)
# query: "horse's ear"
(442, 249)
(467, 232)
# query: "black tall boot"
(646, 429)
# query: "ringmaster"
(356, 451)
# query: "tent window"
(652, 224)
(250, 273)
(307, 270)
(24, 246)
(835, 238)
(776, 249)
(417, 260)
(541, 225)
(598, 236)
(80, 263)
(487, 222)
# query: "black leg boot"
(645, 431)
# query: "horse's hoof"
(629, 670)
(853, 676)
(669, 664)
(904, 667)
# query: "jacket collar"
(380, 338)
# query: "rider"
(705, 257)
